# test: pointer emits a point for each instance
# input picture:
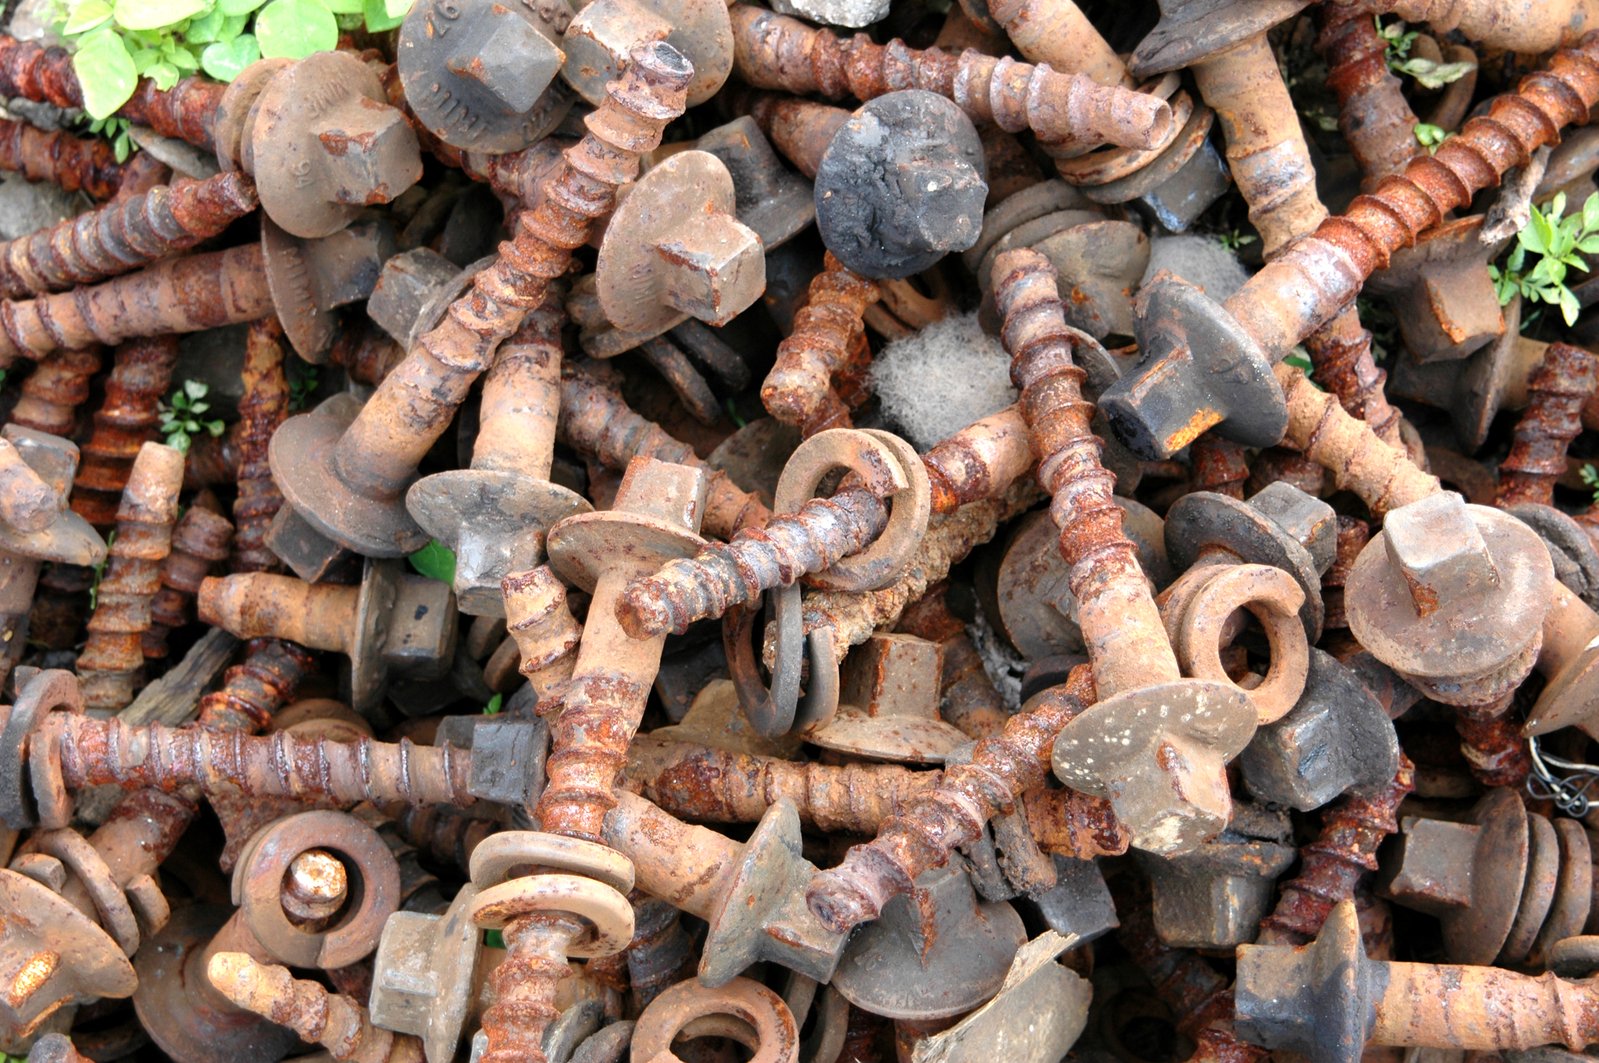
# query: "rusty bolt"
(826, 342)
(1538, 29)
(1373, 114)
(601, 35)
(1564, 381)
(200, 541)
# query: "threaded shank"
(127, 419)
(826, 330)
(263, 406)
(1559, 387)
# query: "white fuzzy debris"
(1199, 260)
(941, 379)
(851, 13)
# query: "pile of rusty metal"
(571, 643)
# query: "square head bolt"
(1436, 547)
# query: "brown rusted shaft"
(523, 986)
(128, 418)
(1348, 448)
(799, 129)
(200, 542)
(521, 395)
(853, 616)
(980, 461)
(443, 833)
(365, 353)
(723, 575)
(1075, 825)
(544, 629)
(55, 389)
(181, 295)
(1352, 830)
(826, 328)
(1373, 114)
(969, 698)
(954, 812)
(185, 111)
(112, 661)
(1196, 992)
(332, 1020)
(86, 164)
(596, 422)
(1530, 26)
(263, 406)
(397, 426)
(1340, 355)
(1562, 383)
(100, 752)
(1492, 743)
(1457, 1006)
(251, 605)
(1065, 111)
(123, 236)
(1127, 642)
(687, 866)
(1218, 465)
(711, 785)
(1058, 33)
(1321, 273)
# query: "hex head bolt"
(1373, 114)
(394, 622)
(656, 270)
(1166, 779)
(1343, 1001)
(1068, 112)
(494, 515)
(1505, 885)
(313, 889)
(1453, 598)
(601, 34)
(1215, 896)
(1442, 292)
(1559, 388)
(346, 472)
(123, 236)
(481, 75)
(333, 1020)
(112, 661)
(1538, 28)
(200, 541)
(27, 503)
(1153, 409)
(597, 422)
(824, 344)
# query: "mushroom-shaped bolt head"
(901, 185)
(1317, 1000)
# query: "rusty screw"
(200, 541)
(1539, 28)
(828, 342)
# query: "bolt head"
(405, 284)
(508, 58)
(715, 270)
(1175, 799)
(663, 490)
(599, 39)
(1435, 545)
(369, 152)
(420, 639)
(1310, 521)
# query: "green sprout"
(494, 705)
(180, 416)
(1430, 136)
(435, 561)
(99, 573)
(1556, 241)
(1233, 239)
(1397, 41)
(303, 381)
(1590, 476)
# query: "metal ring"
(85, 861)
(776, 1038)
(608, 914)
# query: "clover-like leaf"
(105, 72)
(294, 29)
(85, 16)
(226, 60)
(155, 14)
(435, 561)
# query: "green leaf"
(105, 72)
(435, 560)
(85, 17)
(493, 939)
(293, 29)
(1428, 135)
(237, 7)
(397, 8)
(493, 707)
(344, 7)
(205, 28)
(1518, 256)
(1431, 75)
(214, 427)
(179, 441)
(195, 389)
(184, 60)
(1590, 214)
(378, 18)
(1569, 307)
(1557, 206)
(155, 14)
(226, 60)
(1538, 233)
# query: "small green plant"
(1556, 240)
(99, 573)
(1590, 476)
(435, 561)
(180, 416)
(1430, 136)
(1397, 41)
(116, 130)
(303, 381)
(117, 42)
(494, 705)
(1233, 239)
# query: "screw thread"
(1331, 866)
(1353, 535)
(819, 348)
(112, 660)
(255, 688)
(1346, 446)
(523, 987)
(1218, 465)
(723, 575)
(52, 393)
(950, 814)
(1340, 355)
(1492, 743)
(200, 542)
(1317, 275)
(589, 738)
(263, 406)
(124, 235)
(97, 752)
(1559, 387)
(596, 422)
(545, 632)
(444, 834)
(332, 1020)
(127, 419)
(86, 164)
(660, 954)
(1373, 114)
(45, 75)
